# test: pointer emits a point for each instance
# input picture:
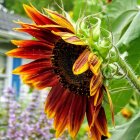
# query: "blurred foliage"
(16, 5)
(128, 131)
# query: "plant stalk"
(129, 73)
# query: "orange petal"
(69, 38)
(94, 63)
(51, 27)
(95, 133)
(61, 20)
(111, 105)
(42, 35)
(98, 98)
(76, 114)
(30, 53)
(53, 99)
(95, 84)
(33, 43)
(61, 117)
(81, 64)
(92, 111)
(36, 16)
(52, 80)
(101, 122)
(40, 76)
(33, 67)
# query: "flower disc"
(64, 56)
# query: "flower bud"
(113, 56)
(95, 29)
(104, 43)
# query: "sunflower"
(64, 62)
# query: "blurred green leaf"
(133, 57)
(132, 33)
(130, 42)
(121, 23)
(121, 92)
(84, 8)
(128, 131)
(138, 1)
(17, 5)
(117, 7)
(78, 7)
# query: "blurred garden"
(111, 28)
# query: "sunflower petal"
(36, 16)
(98, 98)
(81, 64)
(94, 63)
(51, 80)
(43, 35)
(51, 27)
(92, 111)
(101, 122)
(76, 114)
(95, 84)
(61, 117)
(41, 76)
(95, 133)
(111, 105)
(59, 19)
(53, 99)
(33, 67)
(28, 43)
(69, 38)
(30, 53)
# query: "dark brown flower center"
(64, 56)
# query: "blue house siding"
(15, 78)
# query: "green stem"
(130, 74)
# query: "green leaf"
(84, 8)
(117, 7)
(120, 92)
(132, 33)
(133, 57)
(79, 6)
(121, 23)
(130, 42)
(129, 131)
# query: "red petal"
(40, 76)
(92, 111)
(53, 99)
(33, 67)
(94, 63)
(42, 35)
(76, 114)
(30, 53)
(95, 133)
(52, 80)
(95, 84)
(34, 43)
(101, 122)
(56, 28)
(38, 17)
(111, 105)
(81, 64)
(61, 20)
(61, 117)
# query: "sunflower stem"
(129, 73)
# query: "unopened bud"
(95, 29)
